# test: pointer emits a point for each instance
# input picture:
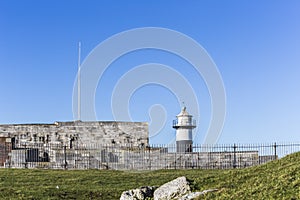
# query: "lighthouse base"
(184, 146)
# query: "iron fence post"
(65, 155)
(149, 157)
(26, 164)
(89, 164)
(275, 151)
(175, 162)
(234, 155)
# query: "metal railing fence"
(96, 156)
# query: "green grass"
(275, 180)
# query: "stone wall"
(162, 159)
(77, 133)
(105, 145)
(126, 158)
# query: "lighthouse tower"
(184, 125)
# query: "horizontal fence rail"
(96, 156)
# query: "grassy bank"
(275, 180)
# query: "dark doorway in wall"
(5, 149)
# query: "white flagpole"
(79, 84)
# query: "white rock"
(138, 194)
(173, 189)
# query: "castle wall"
(77, 133)
(126, 158)
(105, 145)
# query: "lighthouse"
(184, 125)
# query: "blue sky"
(255, 45)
